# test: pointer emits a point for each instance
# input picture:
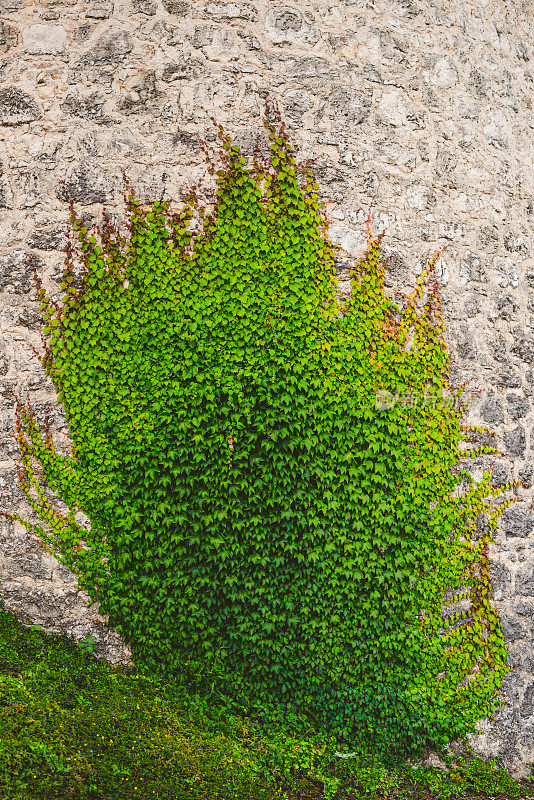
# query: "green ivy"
(248, 499)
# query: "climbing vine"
(249, 499)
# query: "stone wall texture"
(422, 108)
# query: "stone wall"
(424, 109)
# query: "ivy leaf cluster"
(248, 500)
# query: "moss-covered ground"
(73, 727)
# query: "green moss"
(74, 727)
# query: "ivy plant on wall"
(249, 499)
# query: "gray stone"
(521, 51)
(499, 474)
(17, 107)
(524, 608)
(10, 490)
(83, 32)
(488, 238)
(511, 628)
(524, 582)
(517, 406)
(6, 421)
(191, 68)
(510, 379)
(521, 347)
(498, 348)
(515, 243)
(221, 12)
(6, 388)
(140, 89)
(505, 272)
(517, 521)
(515, 441)
(525, 474)
(90, 108)
(48, 602)
(187, 140)
(506, 306)
(446, 162)
(29, 317)
(16, 271)
(4, 365)
(100, 9)
(285, 18)
(348, 106)
(144, 7)
(39, 39)
(492, 410)
(111, 48)
(8, 36)
(180, 7)
(287, 25)
(465, 345)
(8, 449)
(478, 83)
(85, 184)
(471, 269)
(501, 580)
(5, 194)
(371, 184)
(527, 706)
(30, 565)
(471, 307)
(306, 68)
(50, 236)
(395, 270)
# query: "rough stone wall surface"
(424, 109)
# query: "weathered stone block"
(525, 475)
(16, 269)
(286, 25)
(499, 474)
(521, 347)
(221, 12)
(86, 184)
(30, 565)
(111, 48)
(527, 706)
(517, 521)
(525, 581)
(512, 628)
(144, 7)
(515, 441)
(100, 9)
(510, 379)
(505, 272)
(90, 108)
(40, 39)
(518, 407)
(471, 269)
(17, 106)
(501, 580)
(8, 36)
(348, 106)
(50, 236)
(492, 410)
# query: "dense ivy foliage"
(249, 500)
